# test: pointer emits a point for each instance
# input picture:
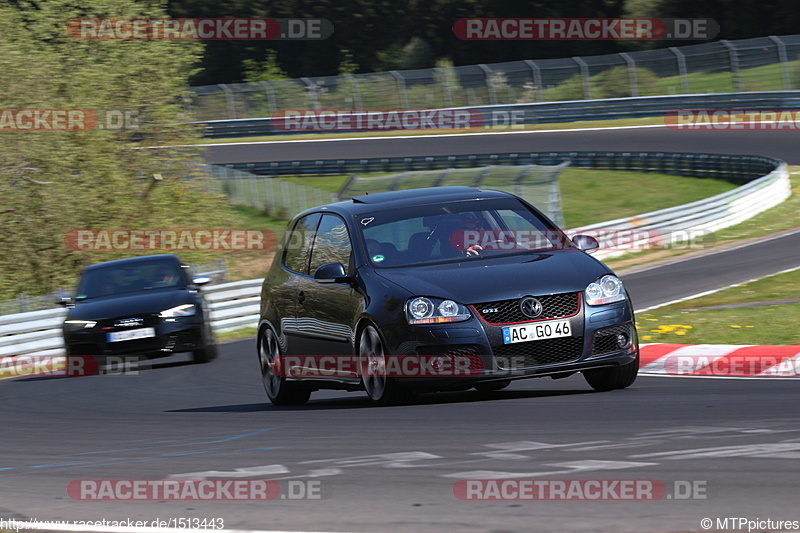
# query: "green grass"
(591, 196)
(771, 324)
(236, 334)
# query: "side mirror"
(201, 280)
(331, 273)
(64, 300)
(587, 243)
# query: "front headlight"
(76, 325)
(421, 310)
(180, 310)
(604, 291)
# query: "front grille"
(605, 339)
(538, 353)
(508, 311)
(449, 349)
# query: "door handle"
(301, 297)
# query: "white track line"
(441, 135)
(706, 293)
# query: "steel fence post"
(681, 69)
(632, 74)
(782, 57)
(587, 86)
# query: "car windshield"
(128, 278)
(472, 229)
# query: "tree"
(55, 181)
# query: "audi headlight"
(421, 310)
(76, 325)
(178, 311)
(604, 291)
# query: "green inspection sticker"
(378, 258)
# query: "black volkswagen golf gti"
(148, 306)
(411, 284)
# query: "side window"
(332, 244)
(298, 243)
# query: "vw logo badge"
(530, 307)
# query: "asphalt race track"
(781, 144)
(717, 448)
(394, 469)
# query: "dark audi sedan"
(445, 288)
(147, 306)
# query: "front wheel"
(381, 389)
(279, 391)
(208, 349)
(619, 377)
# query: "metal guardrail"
(730, 167)
(675, 225)
(549, 112)
(232, 305)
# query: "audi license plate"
(132, 334)
(536, 331)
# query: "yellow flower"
(736, 326)
(647, 338)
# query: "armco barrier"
(232, 305)
(550, 112)
(670, 226)
(738, 168)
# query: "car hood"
(500, 278)
(139, 303)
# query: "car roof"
(367, 203)
(135, 260)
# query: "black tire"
(208, 352)
(606, 379)
(279, 391)
(381, 389)
(490, 386)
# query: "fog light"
(623, 341)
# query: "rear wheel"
(619, 377)
(279, 391)
(493, 385)
(381, 389)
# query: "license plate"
(132, 334)
(536, 331)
